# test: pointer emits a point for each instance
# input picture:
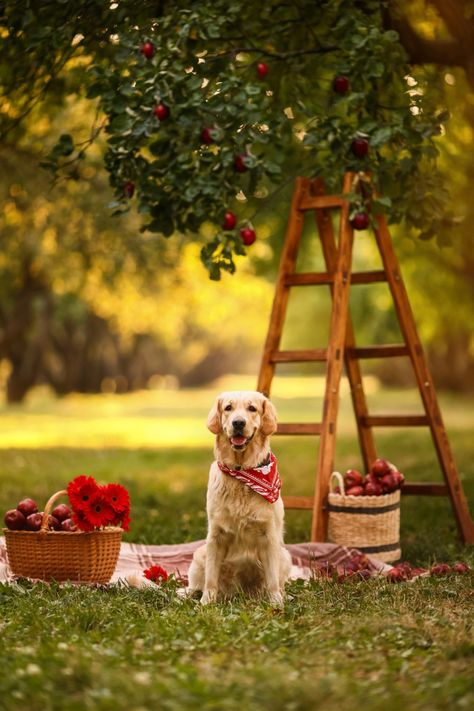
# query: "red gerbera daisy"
(124, 521)
(80, 491)
(156, 574)
(117, 497)
(79, 518)
(98, 511)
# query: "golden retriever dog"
(244, 547)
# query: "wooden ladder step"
(299, 428)
(298, 502)
(317, 354)
(389, 350)
(315, 278)
(424, 488)
(319, 202)
(395, 421)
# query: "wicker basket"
(77, 556)
(369, 523)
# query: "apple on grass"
(14, 520)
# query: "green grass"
(366, 644)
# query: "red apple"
(239, 163)
(388, 483)
(34, 521)
(262, 69)
(161, 111)
(147, 49)
(14, 520)
(68, 525)
(27, 507)
(360, 147)
(440, 569)
(373, 488)
(360, 221)
(461, 568)
(248, 236)
(206, 136)
(399, 478)
(129, 189)
(341, 84)
(61, 512)
(53, 523)
(380, 467)
(395, 575)
(230, 221)
(352, 478)
(355, 491)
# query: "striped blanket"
(307, 558)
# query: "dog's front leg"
(216, 549)
(270, 557)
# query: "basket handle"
(48, 507)
(337, 477)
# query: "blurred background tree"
(88, 301)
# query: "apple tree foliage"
(263, 127)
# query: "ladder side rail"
(280, 302)
(424, 380)
(334, 366)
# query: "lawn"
(370, 643)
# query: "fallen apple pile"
(26, 517)
(383, 478)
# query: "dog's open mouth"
(240, 441)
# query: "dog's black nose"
(238, 424)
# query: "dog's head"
(240, 416)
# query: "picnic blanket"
(307, 558)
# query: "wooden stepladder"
(309, 195)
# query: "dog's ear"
(214, 417)
(269, 418)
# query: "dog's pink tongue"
(238, 440)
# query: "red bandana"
(264, 480)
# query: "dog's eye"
(252, 408)
(228, 408)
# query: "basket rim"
(112, 529)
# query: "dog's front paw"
(276, 599)
(208, 597)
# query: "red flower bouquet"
(95, 507)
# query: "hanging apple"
(206, 136)
(262, 69)
(360, 147)
(129, 189)
(161, 111)
(248, 236)
(239, 163)
(230, 221)
(341, 84)
(147, 49)
(360, 221)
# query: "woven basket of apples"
(79, 543)
(364, 512)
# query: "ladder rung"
(298, 502)
(395, 421)
(315, 278)
(308, 279)
(316, 354)
(385, 351)
(299, 428)
(425, 488)
(318, 202)
(368, 277)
